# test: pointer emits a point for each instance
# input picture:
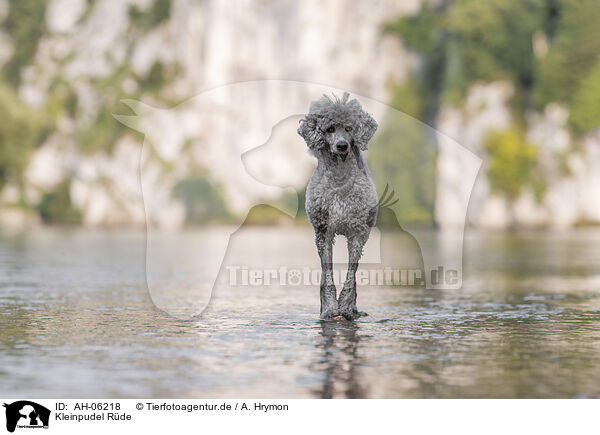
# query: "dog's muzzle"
(342, 147)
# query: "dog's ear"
(310, 132)
(366, 129)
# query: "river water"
(77, 320)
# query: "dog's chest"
(348, 207)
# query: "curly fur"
(341, 197)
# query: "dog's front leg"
(329, 304)
(347, 301)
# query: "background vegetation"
(23, 129)
(548, 49)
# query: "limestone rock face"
(485, 109)
(208, 44)
(572, 191)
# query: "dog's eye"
(331, 129)
(349, 128)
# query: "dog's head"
(337, 125)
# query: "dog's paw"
(329, 313)
(349, 313)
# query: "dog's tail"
(387, 200)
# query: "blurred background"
(516, 82)
(198, 102)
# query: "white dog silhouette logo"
(254, 152)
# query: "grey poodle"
(341, 196)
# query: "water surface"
(76, 320)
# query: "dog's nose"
(342, 146)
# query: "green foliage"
(421, 32)
(263, 214)
(402, 155)
(424, 33)
(56, 206)
(156, 78)
(159, 12)
(585, 112)
(203, 201)
(465, 41)
(25, 24)
(574, 50)
(512, 162)
(470, 40)
(495, 38)
(102, 132)
(60, 100)
(407, 97)
(21, 130)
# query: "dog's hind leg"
(329, 304)
(347, 300)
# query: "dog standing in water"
(341, 197)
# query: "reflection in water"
(340, 357)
